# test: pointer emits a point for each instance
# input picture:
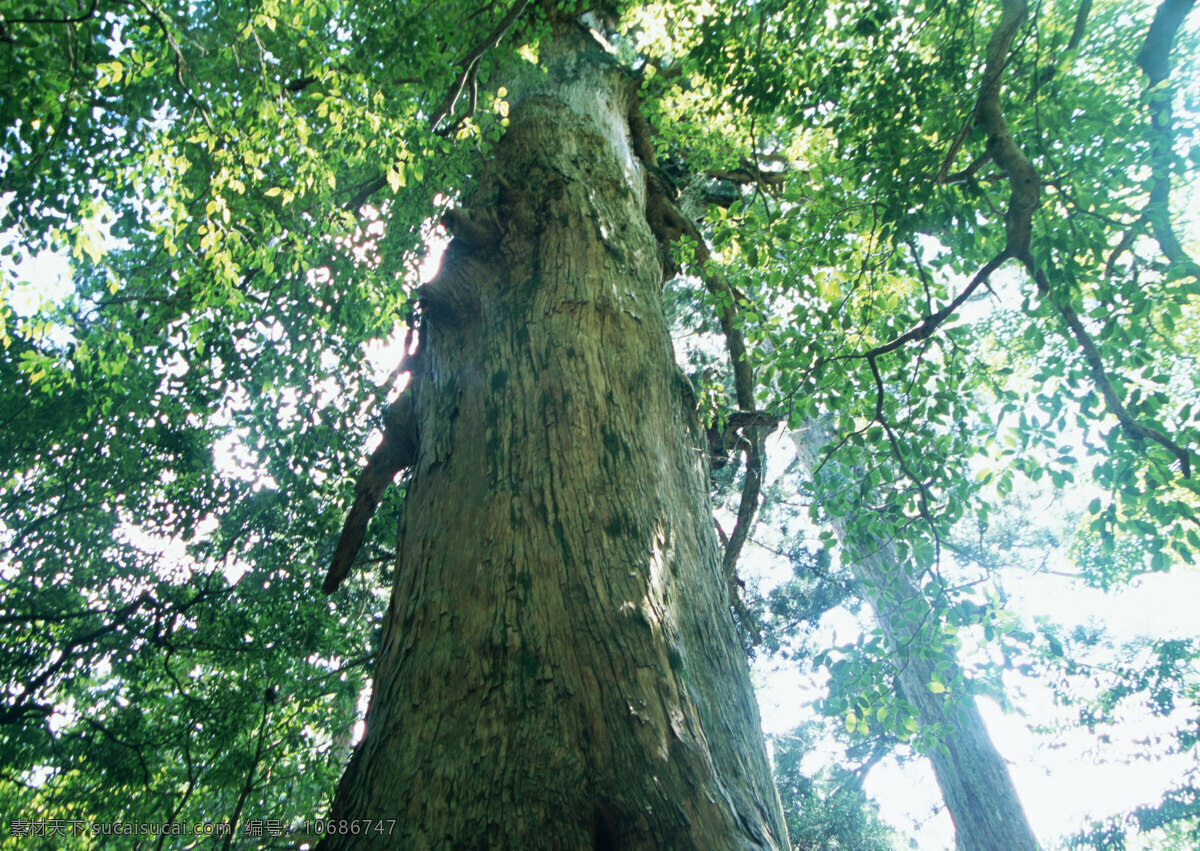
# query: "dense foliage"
(955, 231)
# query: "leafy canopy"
(244, 191)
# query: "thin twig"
(180, 62)
(922, 488)
(470, 64)
(248, 786)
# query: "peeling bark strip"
(972, 774)
(558, 668)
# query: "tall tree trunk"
(559, 667)
(972, 775)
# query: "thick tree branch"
(1091, 354)
(1155, 55)
(931, 322)
(733, 543)
(1023, 202)
(24, 704)
(1154, 59)
(854, 781)
(749, 173)
(965, 174)
(742, 431)
(670, 226)
(300, 84)
(364, 193)
(1023, 179)
(1080, 28)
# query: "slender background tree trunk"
(559, 667)
(972, 775)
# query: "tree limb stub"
(723, 441)
(749, 173)
(396, 451)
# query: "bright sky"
(38, 280)
(1062, 779)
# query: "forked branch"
(1023, 202)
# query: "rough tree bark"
(972, 775)
(559, 667)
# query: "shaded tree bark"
(972, 775)
(559, 667)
